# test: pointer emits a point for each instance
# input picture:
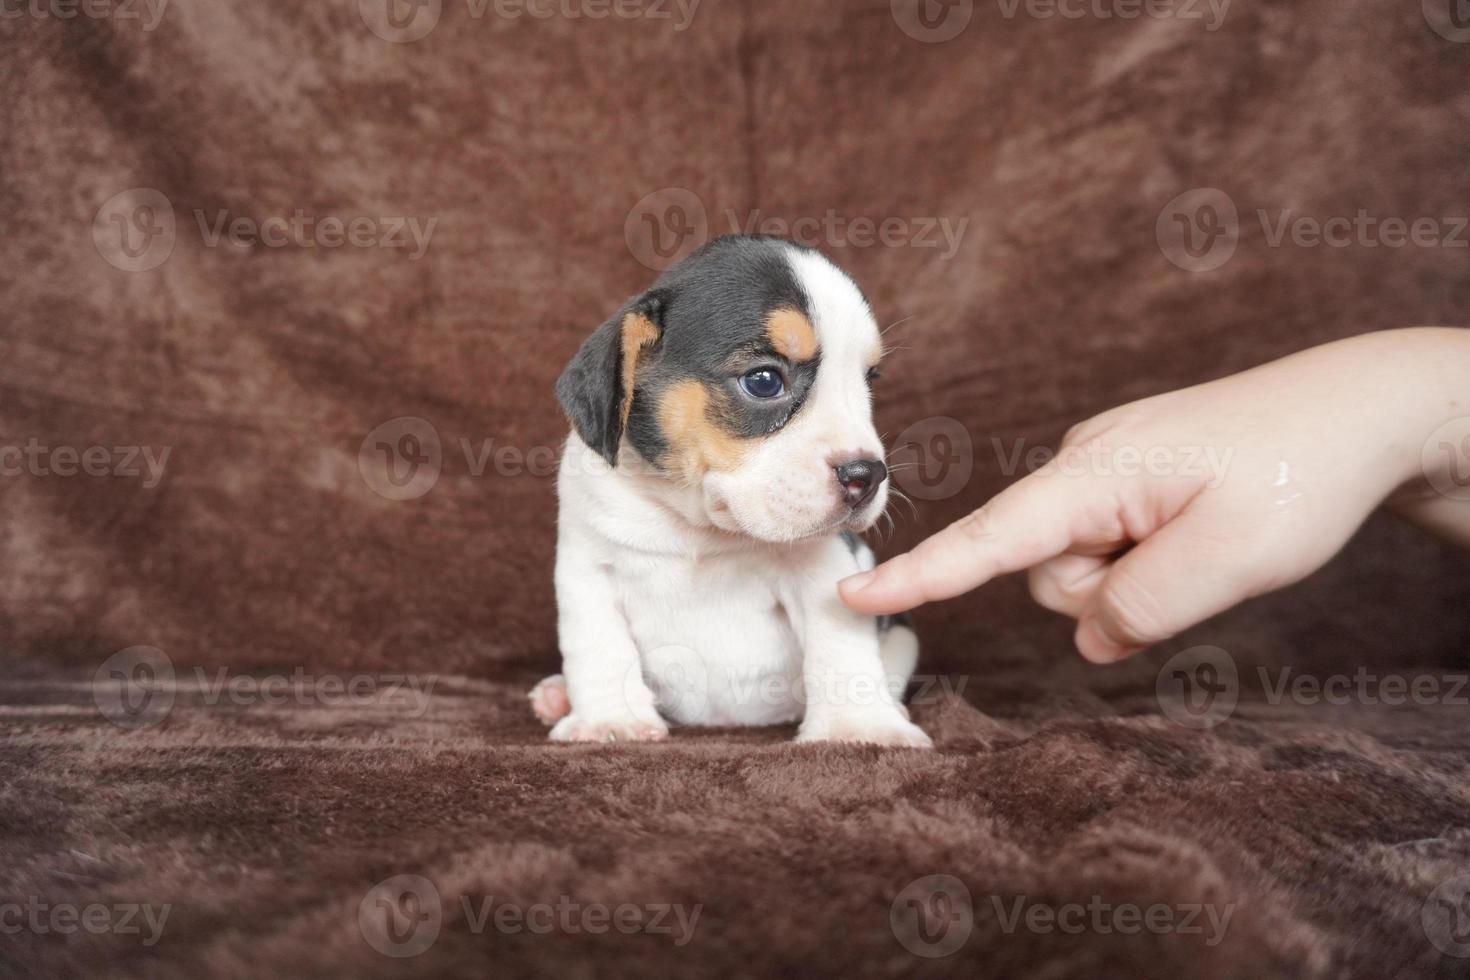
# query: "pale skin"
(1306, 448)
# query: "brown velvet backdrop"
(530, 143)
(538, 147)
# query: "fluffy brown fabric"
(529, 141)
(1320, 832)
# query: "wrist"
(1432, 447)
(1410, 387)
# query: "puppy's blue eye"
(763, 383)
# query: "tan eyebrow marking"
(792, 334)
(638, 332)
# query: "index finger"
(1028, 522)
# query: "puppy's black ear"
(596, 389)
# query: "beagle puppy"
(721, 464)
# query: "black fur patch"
(711, 310)
(590, 388)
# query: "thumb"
(1182, 574)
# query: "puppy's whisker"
(899, 494)
(895, 323)
(885, 533)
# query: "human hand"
(1159, 514)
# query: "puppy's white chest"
(716, 646)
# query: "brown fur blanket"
(242, 241)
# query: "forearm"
(1434, 448)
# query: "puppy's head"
(742, 376)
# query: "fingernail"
(1112, 650)
(856, 583)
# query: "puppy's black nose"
(860, 479)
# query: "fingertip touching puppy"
(721, 464)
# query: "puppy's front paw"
(890, 729)
(628, 728)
